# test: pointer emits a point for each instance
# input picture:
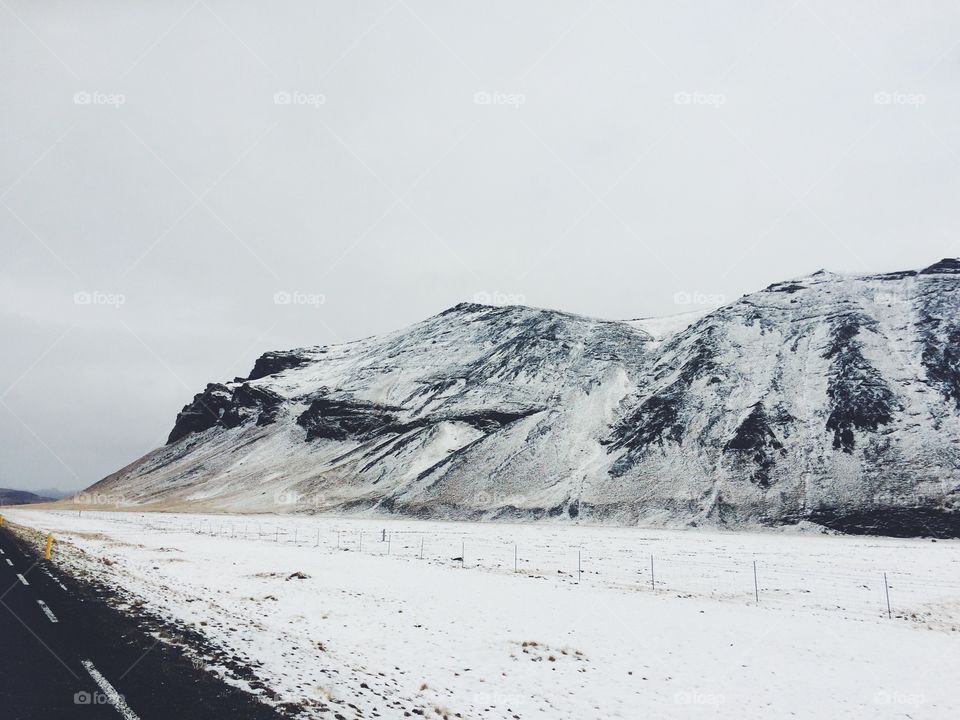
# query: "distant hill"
(55, 493)
(20, 497)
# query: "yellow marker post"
(1, 520)
(46, 552)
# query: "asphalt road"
(66, 653)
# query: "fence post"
(421, 547)
(886, 588)
(756, 588)
(653, 585)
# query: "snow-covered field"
(515, 630)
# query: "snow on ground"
(661, 328)
(373, 630)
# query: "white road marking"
(9, 562)
(53, 577)
(22, 579)
(47, 611)
(113, 697)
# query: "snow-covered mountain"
(829, 398)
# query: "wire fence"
(876, 585)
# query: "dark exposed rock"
(344, 419)
(657, 419)
(249, 402)
(486, 421)
(272, 363)
(893, 521)
(465, 307)
(788, 287)
(901, 275)
(203, 412)
(756, 440)
(941, 357)
(948, 266)
(218, 405)
(859, 397)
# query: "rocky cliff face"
(827, 398)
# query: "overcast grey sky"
(167, 169)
